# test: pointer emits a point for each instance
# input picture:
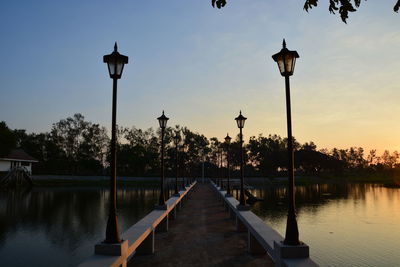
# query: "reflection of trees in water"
(68, 216)
(311, 197)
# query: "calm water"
(344, 225)
(59, 226)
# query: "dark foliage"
(75, 146)
(343, 7)
(7, 139)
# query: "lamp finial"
(115, 47)
(284, 43)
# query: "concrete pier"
(203, 234)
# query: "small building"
(17, 158)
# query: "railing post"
(240, 227)
(147, 246)
(253, 246)
(163, 225)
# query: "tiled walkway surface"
(202, 235)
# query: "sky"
(202, 65)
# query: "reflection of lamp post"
(115, 62)
(286, 60)
(176, 141)
(163, 123)
(228, 186)
(240, 120)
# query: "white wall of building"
(4, 166)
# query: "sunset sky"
(202, 65)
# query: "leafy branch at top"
(343, 7)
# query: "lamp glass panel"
(240, 123)
(120, 67)
(289, 62)
(279, 60)
(293, 64)
(111, 67)
(163, 122)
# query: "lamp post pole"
(163, 123)
(202, 169)
(217, 179)
(115, 63)
(202, 164)
(176, 139)
(242, 199)
(222, 170)
(161, 201)
(240, 120)
(112, 231)
(292, 231)
(228, 189)
(286, 61)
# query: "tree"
(7, 139)
(82, 144)
(341, 6)
(389, 161)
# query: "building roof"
(19, 155)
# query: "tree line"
(75, 146)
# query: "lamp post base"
(291, 252)
(116, 249)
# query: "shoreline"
(71, 180)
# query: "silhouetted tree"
(343, 7)
(7, 139)
(76, 146)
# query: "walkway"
(202, 235)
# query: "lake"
(344, 225)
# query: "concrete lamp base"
(116, 249)
(243, 207)
(161, 207)
(291, 252)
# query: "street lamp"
(221, 185)
(115, 62)
(228, 187)
(286, 60)
(240, 120)
(163, 124)
(176, 141)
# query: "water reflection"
(67, 221)
(344, 224)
